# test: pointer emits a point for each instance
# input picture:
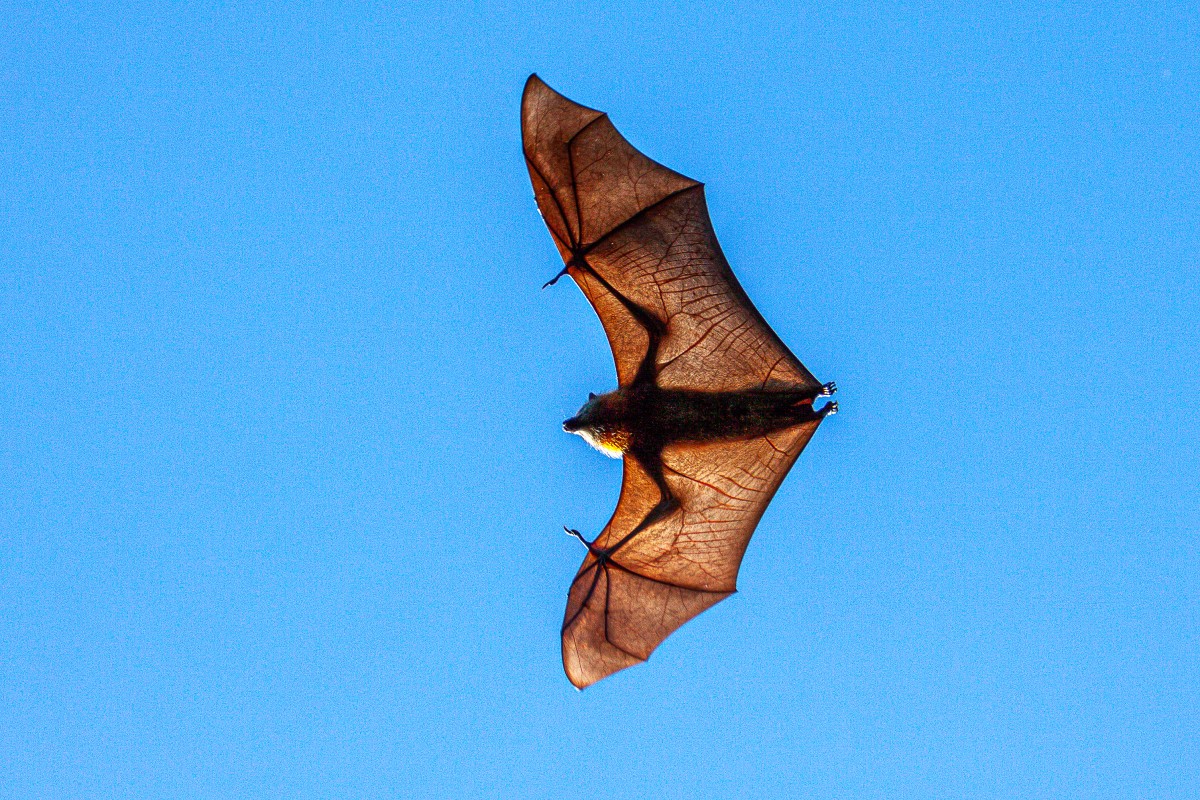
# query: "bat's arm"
(655, 328)
(651, 461)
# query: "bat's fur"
(645, 415)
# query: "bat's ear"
(591, 395)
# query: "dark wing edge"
(619, 611)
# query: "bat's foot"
(554, 280)
(827, 389)
(828, 410)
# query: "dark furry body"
(649, 418)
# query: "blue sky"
(281, 474)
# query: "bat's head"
(590, 413)
(598, 422)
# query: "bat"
(711, 409)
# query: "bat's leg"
(804, 410)
(826, 390)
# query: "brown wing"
(619, 218)
(620, 610)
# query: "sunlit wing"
(619, 612)
(645, 231)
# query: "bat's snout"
(572, 425)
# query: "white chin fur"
(591, 439)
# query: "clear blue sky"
(281, 475)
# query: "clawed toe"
(829, 410)
(828, 389)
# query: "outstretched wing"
(624, 222)
(619, 610)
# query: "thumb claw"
(578, 535)
(554, 280)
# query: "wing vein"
(553, 196)
(635, 217)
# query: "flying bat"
(711, 409)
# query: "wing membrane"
(645, 230)
(619, 611)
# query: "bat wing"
(621, 608)
(626, 225)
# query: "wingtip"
(535, 85)
(532, 84)
(582, 671)
(578, 681)
(537, 92)
(581, 683)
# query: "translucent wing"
(618, 218)
(620, 610)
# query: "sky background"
(282, 482)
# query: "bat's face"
(589, 414)
(597, 422)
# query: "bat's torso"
(647, 417)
